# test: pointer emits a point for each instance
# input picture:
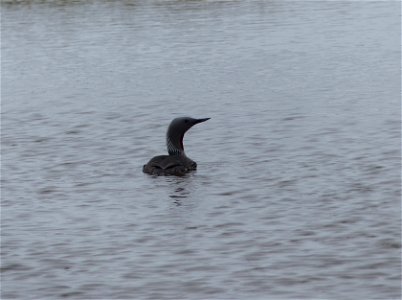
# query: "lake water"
(298, 189)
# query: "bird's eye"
(186, 121)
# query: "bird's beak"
(201, 120)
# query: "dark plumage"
(176, 163)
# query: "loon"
(176, 163)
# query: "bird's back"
(177, 165)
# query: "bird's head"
(176, 131)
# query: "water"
(297, 192)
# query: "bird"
(176, 163)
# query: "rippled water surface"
(297, 192)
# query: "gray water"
(297, 192)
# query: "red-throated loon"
(176, 163)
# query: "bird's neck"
(175, 145)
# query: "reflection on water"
(297, 192)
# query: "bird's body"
(176, 163)
(169, 165)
